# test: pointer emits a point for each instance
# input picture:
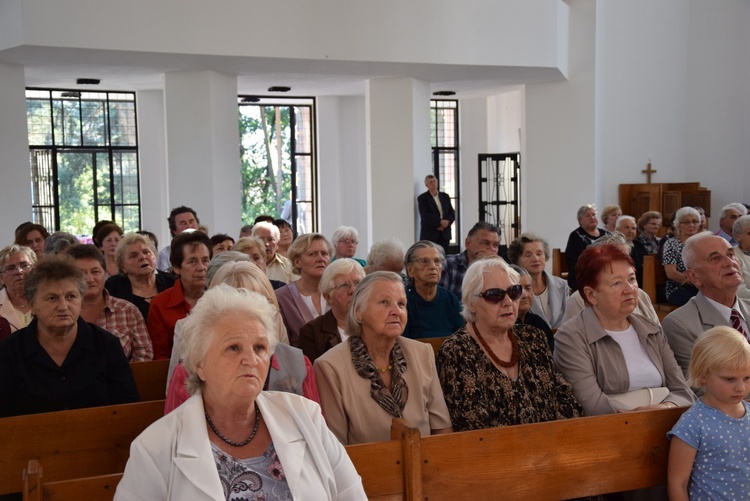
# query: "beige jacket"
(593, 363)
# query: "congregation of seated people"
(345, 333)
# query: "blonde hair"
(719, 348)
(248, 243)
(245, 275)
(302, 244)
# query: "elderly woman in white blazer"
(531, 253)
(231, 438)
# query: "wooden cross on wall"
(648, 171)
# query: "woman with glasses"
(616, 360)
(301, 301)
(16, 261)
(337, 286)
(377, 375)
(345, 241)
(678, 288)
(433, 310)
(495, 372)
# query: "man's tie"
(736, 323)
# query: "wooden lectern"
(635, 199)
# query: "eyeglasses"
(494, 296)
(426, 261)
(346, 286)
(12, 268)
(349, 241)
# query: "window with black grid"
(445, 160)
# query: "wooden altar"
(635, 199)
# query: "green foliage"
(266, 175)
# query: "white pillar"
(152, 163)
(203, 158)
(398, 155)
(15, 173)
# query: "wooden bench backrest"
(100, 488)
(435, 342)
(555, 460)
(74, 443)
(151, 379)
(559, 264)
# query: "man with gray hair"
(386, 255)
(712, 266)
(436, 214)
(729, 214)
(483, 239)
(277, 266)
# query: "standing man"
(713, 268)
(180, 219)
(483, 240)
(729, 214)
(436, 213)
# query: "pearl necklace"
(244, 442)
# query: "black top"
(119, 286)
(577, 243)
(535, 320)
(95, 372)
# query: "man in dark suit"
(436, 213)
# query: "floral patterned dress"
(253, 479)
(481, 396)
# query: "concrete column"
(15, 176)
(398, 155)
(203, 159)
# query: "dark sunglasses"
(494, 296)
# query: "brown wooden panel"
(435, 342)
(151, 379)
(559, 264)
(71, 444)
(555, 460)
(381, 466)
(101, 488)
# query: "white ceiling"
(57, 67)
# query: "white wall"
(15, 180)
(341, 167)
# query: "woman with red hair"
(614, 359)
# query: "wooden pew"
(435, 342)
(559, 264)
(556, 460)
(654, 278)
(390, 471)
(74, 443)
(151, 379)
(100, 488)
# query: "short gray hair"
(625, 218)
(342, 266)
(615, 238)
(59, 241)
(126, 241)
(422, 244)
(8, 251)
(268, 226)
(221, 259)
(515, 249)
(385, 251)
(520, 270)
(688, 251)
(343, 232)
(362, 296)
(683, 212)
(582, 210)
(736, 206)
(199, 328)
(740, 226)
(474, 282)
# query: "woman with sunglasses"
(606, 350)
(495, 372)
(433, 310)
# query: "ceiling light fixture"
(88, 81)
(279, 89)
(250, 99)
(444, 93)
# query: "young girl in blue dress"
(709, 457)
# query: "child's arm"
(681, 458)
